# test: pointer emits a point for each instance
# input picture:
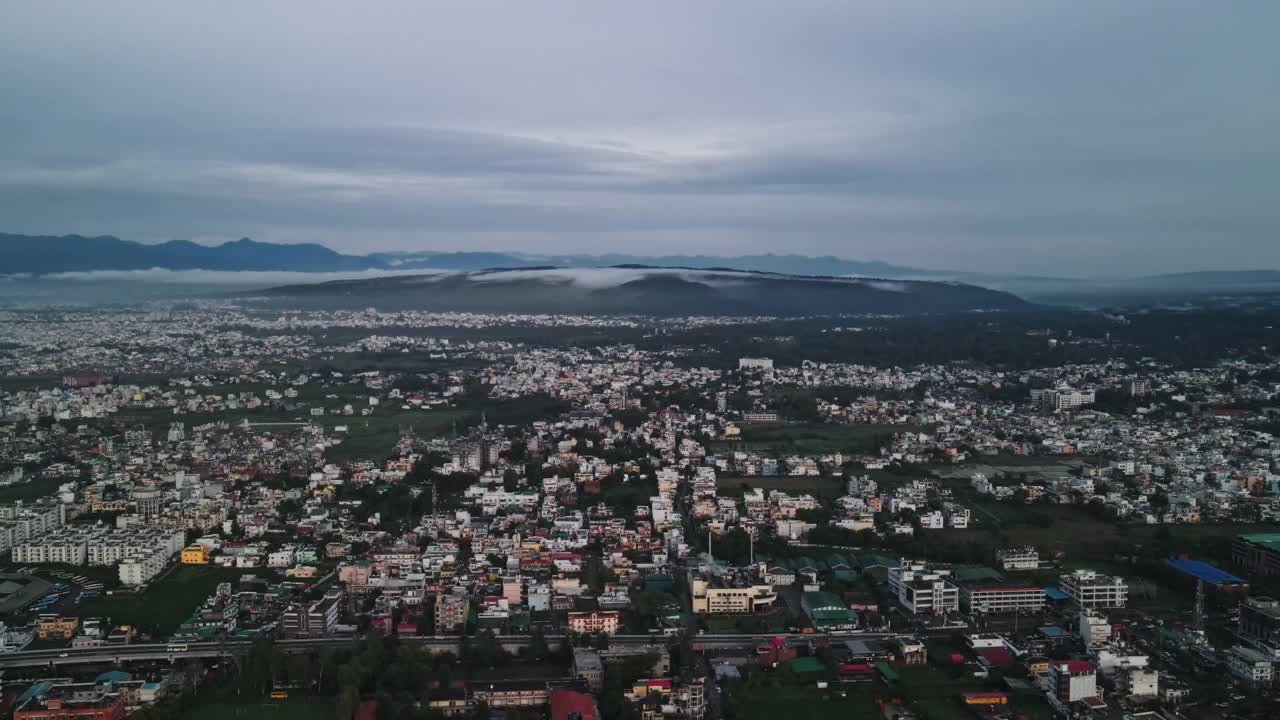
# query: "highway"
(119, 654)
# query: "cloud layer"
(1038, 137)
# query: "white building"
(21, 521)
(1093, 590)
(748, 363)
(1249, 665)
(1142, 682)
(139, 569)
(1072, 681)
(957, 517)
(1011, 559)
(920, 589)
(1095, 630)
(99, 546)
(932, 520)
(994, 599)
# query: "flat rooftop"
(1270, 541)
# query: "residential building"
(315, 620)
(195, 555)
(1013, 559)
(1249, 665)
(1257, 554)
(1095, 630)
(141, 567)
(451, 614)
(1141, 683)
(1073, 681)
(1260, 625)
(997, 598)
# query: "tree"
(348, 699)
(538, 648)
(487, 651)
(1160, 504)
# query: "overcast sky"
(1048, 137)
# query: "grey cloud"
(1028, 136)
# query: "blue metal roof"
(1206, 572)
(1055, 594)
(36, 690)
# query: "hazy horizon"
(1087, 139)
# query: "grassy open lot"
(818, 438)
(31, 490)
(166, 603)
(1073, 529)
(809, 703)
(305, 708)
(521, 671)
(373, 437)
(1011, 461)
(824, 486)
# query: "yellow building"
(61, 628)
(195, 555)
(712, 600)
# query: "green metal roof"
(807, 665)
(1271, 541)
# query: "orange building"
(59, 628)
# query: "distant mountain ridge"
(44, 255)
(48, 254)
(642, 290)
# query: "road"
(118, 654)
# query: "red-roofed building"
(570, 705)
(1073, 681)
(367, 710)
(998, 657)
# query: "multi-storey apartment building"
(1093, 590)
(996, 598)
(922, 589)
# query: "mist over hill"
(653, 291)
(125, 262)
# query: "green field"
(373, 437)
(165, 604)
(818, 438)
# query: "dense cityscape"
(726, 360)
(468, 515)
